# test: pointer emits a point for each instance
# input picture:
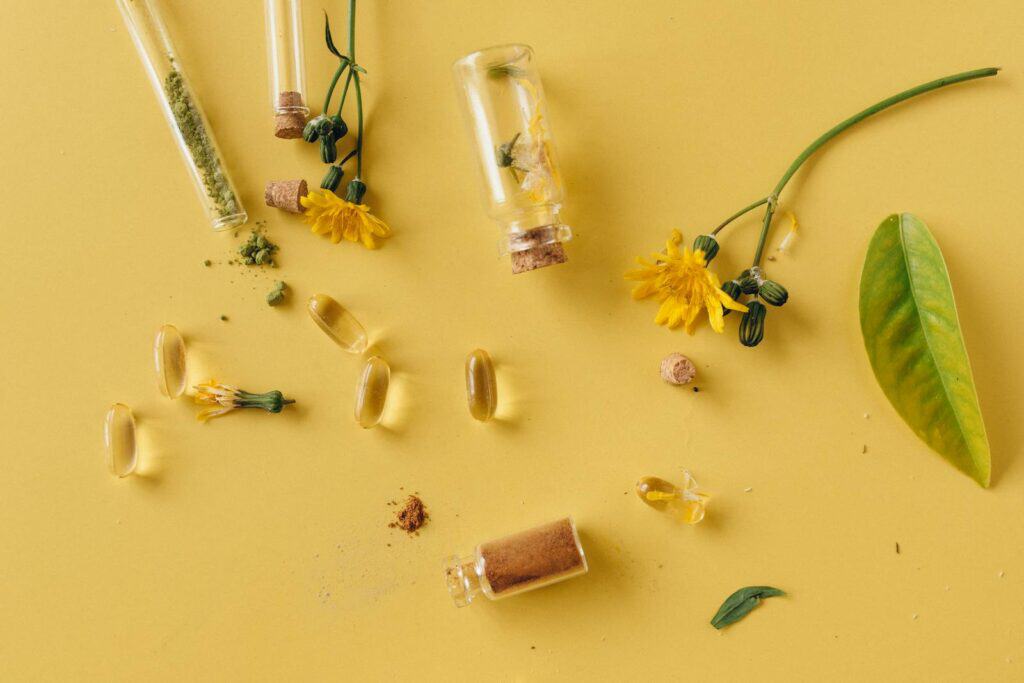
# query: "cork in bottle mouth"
(288, 126)
(538, 248)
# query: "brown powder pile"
(411, 516)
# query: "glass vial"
(503, 98)
(188, 124)
(287, 67)
(518, 563)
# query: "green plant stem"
(739, 213)
(842, 126)
(359, 89)
(359, 135)
(344, 91)
(334, 82)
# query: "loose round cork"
(289, 126)
(285, 194)
(538, 257)
(678, 369)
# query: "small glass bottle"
(518, 563)
(502, 94)
(287, 67)
(184, 115)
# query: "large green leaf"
(912, 335)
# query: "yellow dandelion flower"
(329, 214)
(685, 287)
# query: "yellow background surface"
(256, 547)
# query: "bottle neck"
(524, 220)
(462, 575)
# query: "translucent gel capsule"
(169, 356)
(686, 503)
(119, 440)
(481, 387)
(372, 392)
(337, 323)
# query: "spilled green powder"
(257, 250)
(276, 295)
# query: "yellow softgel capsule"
(119, 440)
(372, 392)
(337, 323)
(169, 356)
(687, 502)
(481, 386)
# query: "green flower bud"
(732, 288)
(356, 190)
(708, 244)
(328, 151)
(324, 126)
(276, 401)
(332, 179)
(338, 127)
(311, 132)
(748, 283)
(752, 325)
(773, 293)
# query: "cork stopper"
(539, 252)
(538, 257)
(289, 100)
(678, 369)
(285, 194)
(289, 126)
(291, 115)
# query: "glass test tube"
(503, 98)
(188, 124)
(287, 67)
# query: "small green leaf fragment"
(740, 603)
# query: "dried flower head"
(226, 398)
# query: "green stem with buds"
(772, 199)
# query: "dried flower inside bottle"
(507, 113)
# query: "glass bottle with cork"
(287, 67)
(502, 94)
(521, 562)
